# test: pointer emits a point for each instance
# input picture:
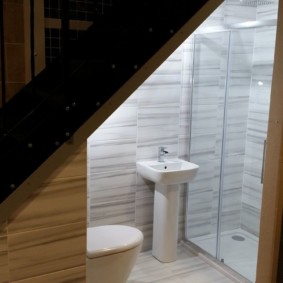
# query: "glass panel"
(209, 83)
(247, 110)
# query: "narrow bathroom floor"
(188, 268)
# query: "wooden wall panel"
(46, 236)
(268, 270)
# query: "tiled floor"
(188, 268)
(241, 256)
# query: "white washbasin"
(172, 171)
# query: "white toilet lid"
(110, 239)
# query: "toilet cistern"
(161, 153)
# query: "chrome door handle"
(263, 161)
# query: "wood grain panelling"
(3, 237)
(46, 251)
(15, 66)
(280, 256)
(4, 268)
(4, 271)
(14, 47)
(75, 165)
(272, 203)
(3, 228)
(14, 1)
(76, 275)
(280, 260)
(13, 21)
(46, 237)
(3, 243)
(59, 202)
(12, 88)
(47, 234)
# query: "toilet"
(112, 251)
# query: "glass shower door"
(247, 110)
(209, 80)
(236, 246)
(231, 85)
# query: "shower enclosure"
(231, 84)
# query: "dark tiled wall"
(82, 10)
(79, 9)
(14, 40)
(52, 44)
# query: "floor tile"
(187, 268)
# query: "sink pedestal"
(165, 222)
(167, 176)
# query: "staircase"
(91, 77)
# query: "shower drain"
(238, 238)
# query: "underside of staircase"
(71, 97)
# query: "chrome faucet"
(161, 153)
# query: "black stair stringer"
(114, 57)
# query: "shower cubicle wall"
(231, 71)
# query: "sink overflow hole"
(165, 167)
(238, 238)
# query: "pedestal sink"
(167, 177)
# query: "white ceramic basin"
(172, 171)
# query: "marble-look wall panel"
(35, 253)
(232, 192)
(215, 19)
(111, 168)
(207, 122)
(186, 90)
(238, 13)
(182, 212)
(148, 119)
(144, 210)
(44, 208)
(111, 155)
(269, 11)
(252, 189)
(237, 95)
(122, 124)
(183, 149)
(202, 201)
(250, 218)
(76, 274)
(112, 198)
(153, 137)
(159, 108)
